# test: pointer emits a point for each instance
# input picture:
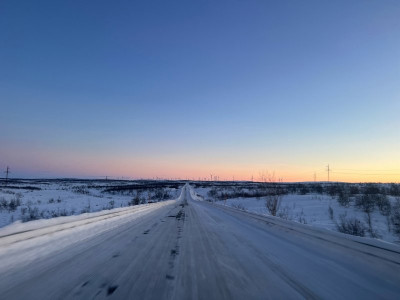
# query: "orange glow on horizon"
(44, 163)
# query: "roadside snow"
(59, 199)
(311, 209)
(21, 243)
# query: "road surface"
(189, 249)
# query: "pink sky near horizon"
(42, 163)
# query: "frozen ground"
(311, 209)
(27, 200)
(191, 249)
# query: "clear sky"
(186, 89)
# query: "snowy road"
(188, 249)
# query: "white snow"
(311, 209)
(21, 243)
(64, 198)
(209, 251)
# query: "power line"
(376, 174)
(328, 169)
(370, 170)
(7, 172)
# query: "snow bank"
(21, 243)
(312, 210)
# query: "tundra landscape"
(210, 149)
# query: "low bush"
(344, 197)
(395, 217)
(284, 213)
(367, 202)
(351, 226)
(330, 211)
(239, 206)
(31, 214)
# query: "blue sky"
(184, 88)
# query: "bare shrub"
(395, 217)
(158, 194)
(212, 193)
(32, 214)
(302, 217)
(18, 197)
(13, 204)
(372, 189)
(317, 188)
(111, 204)
(333, 189)
(161, 194)
(354, 190)
(330, 211)
(136, 200)
(8, 192)
(81, 190)
(272, 203)
(239, 206)
(371, 230)
(304, 189)
(59, 213)
(343, 197)
(284, 213)
(3, 203)
(86, 209)
(366, 202)
(274, 193)
(23, 210)
(351, 226)
(384, 205)
(394, 189)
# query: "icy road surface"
(188, 249)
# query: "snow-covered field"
(27, 200)
(320, 210)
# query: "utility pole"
(7, 172)
(328, 169)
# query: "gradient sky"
(187, 88)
